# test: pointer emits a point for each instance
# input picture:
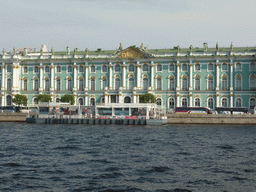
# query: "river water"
(127, 158)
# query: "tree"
(147, 98)
(68, 98)
(44, 98)
(20, 100)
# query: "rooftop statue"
(143, 48)
(231, 46)
(52, 50)
(178, 47)
(86, 51)
(4, 51)
(190, 47)
(121, 48)
(14, 51)
(217, 46)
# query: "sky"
(105, 24)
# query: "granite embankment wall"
(211, 119)
(13, 117)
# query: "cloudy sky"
(106, 23)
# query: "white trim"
(241, 101)
(199, 101)
(208, 67)
(236, 66)
(174, 66)
(182, 67)
(195, 67)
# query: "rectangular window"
(47, 69)
(25, 69)
(224, 67)
(36, 69)
(92, 69)
(58, 69)
(171, 67)
(104, 69)
(210, 67)
(69, 69)
(81, 69)
(159, 68)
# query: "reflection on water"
(127, 158)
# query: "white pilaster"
(110, 76)
(3, 77)
(231, 75)
(178, 76)
(152, 75)
(52, 78)
(190, 100)
(14, 76)
(231, 99)
(217, 100)
(190, 76)
(124, 75)
(75, 78)
(138, 75)
(86, 78)
(41, 77)
(86, 100)
(177, 100)
(217, 75)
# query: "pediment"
(131, 52)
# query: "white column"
(3, 77)
(138, 75)
(124, 75)
(106, 98)
(217, 75)
(152, 75)
(134, 98)
(178, 76)
(52, 77)
(231, 100)
(190, 76)
(190, 100)
(41, 77)
(3, 99)
(110, 76)
(231, 75)
(137, 99)
(217, 100)
(75, 78)
(86, 78)
(14, 77)
(86, 99)
(177, 100)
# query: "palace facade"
(209, 77)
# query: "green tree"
(68, 98)
(20, 100)
(147, 98)
(44, 98)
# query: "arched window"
(184, 67)
(252, 103)
(131, 83)
(197, 67)
(184, 102)
(131, 68)
(9, 84)
(81, 84)
(171, 67)
(197, 83)
(36, 85)
(47, 69)
(224, 102)
(145, 83)
(104, 83)
(238, 102)
(238, 67)
(210, 103)
(252, 83)
(92, 84)
(224, 67)
(9, 100)
(117, 68)
(159, 84)
(184, 83)
(159, 68)
(171, 84)
(210, 67)
(171, 103)
(104, 69)
(238, 83)
(197, 102)
(35, 101)
(58, 84)
(9, 68)
(117, 83)
(145, 67)
(81, 69)
(252, 66)
(210, 83)
(69, 85)
(69, 69)
(47, 85)
(57, 100)
(25, 84)
(81, 101)
(127, 100)
(92, 101)
(58, 69)
(224, 83)
(159, 101)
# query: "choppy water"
(127, 158)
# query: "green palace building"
(207, 77)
